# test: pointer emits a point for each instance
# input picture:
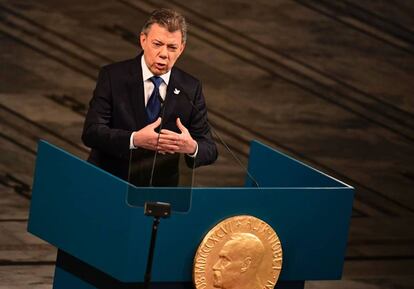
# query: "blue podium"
(97, 220)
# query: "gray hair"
(169, 19)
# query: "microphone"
(237, 159)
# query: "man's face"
(161, 48)
(227, 269)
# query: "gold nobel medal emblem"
(241, 252)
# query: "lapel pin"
(176, 91)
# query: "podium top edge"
(45, 143)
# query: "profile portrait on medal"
(239, 262)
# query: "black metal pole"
(147, 277)
(157, 210)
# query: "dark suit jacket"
(117, 109)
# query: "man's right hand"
(147, 137)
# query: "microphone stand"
(157, 210)
(214, 132)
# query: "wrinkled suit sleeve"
(98, 132)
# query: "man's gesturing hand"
(173, 142)
(147, 137)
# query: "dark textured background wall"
(327, 82)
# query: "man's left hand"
(172, 142)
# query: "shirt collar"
(147, 74)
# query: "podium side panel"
(272, 168)
(82, 210)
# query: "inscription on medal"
(240, 252)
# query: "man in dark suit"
(147, 106)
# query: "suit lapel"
(136, 93)
(170, 98)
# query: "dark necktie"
(154, 103)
